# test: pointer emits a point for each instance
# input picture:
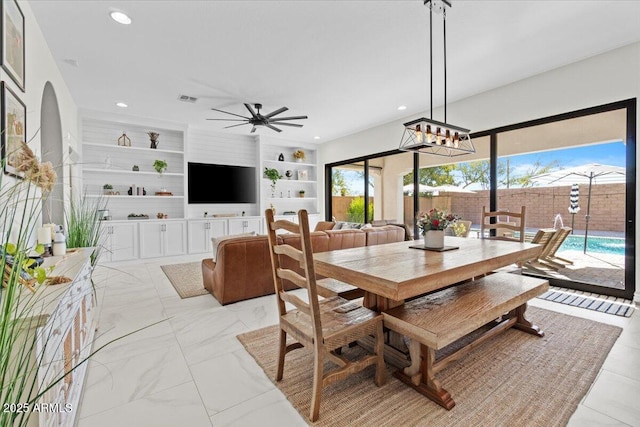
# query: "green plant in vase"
(273, 175)
(160, 166)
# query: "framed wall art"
(12, 41)
(13, 127)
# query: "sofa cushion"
(215, 241)
(344, 239)
(384, 234)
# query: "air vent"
(187, 98)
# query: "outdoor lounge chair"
(548, 255)
(544, 237)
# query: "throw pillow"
(215, 241)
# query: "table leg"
(523, 324)
(428, 385)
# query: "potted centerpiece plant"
(273, 175)
(432, 225)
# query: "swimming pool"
(605, 245)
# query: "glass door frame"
(630, 204)
(630, 105)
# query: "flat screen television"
(210, 183)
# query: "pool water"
(605, 245)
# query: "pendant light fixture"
(427, 135)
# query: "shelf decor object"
(299, 156)
(124, 140)
(153, 136)
(427, 135)
(13, 129)
(13, 46)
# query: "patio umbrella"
(574, 207)
(452, 189)
(422, 188)
(586, 174)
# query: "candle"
(44, 235)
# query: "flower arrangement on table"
(435, 220)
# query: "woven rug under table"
(512, 379)
(186, 278)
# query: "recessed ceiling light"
(316, 137)
(402, 108)
(120, 17)
(121, 104)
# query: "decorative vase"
(434, 239)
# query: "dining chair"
(504, 230)
(321, 325)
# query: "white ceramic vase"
(434, 239)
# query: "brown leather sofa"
(242, 269)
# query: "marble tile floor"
(189, 370)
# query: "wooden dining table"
(393, 272)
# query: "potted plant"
(108, 189)
(299, 156)
(160, 166)
(301, 193)
(432, 224)
(273, 175)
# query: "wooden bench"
(436, 320)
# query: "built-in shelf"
(126, 196)
(97, 170)
(291, 181)
(121, 147)
(299, 164)
(292, 199)
(105, 162)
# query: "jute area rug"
(186, 278)
(514, 379)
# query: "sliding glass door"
(514, 166)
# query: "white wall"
(609, 77)
(41, 67)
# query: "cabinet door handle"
(164, 227)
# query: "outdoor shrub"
(355, 211)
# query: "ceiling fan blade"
(253, 129)
(232, 126)
(250, 108)
(272, 127)
(278, 111)
(279, 119)
(286, 124)
(230, 120)
(233, 114)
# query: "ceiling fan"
(257, 119)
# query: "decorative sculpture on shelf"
(153, 136)
(124, 140)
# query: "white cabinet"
(200, 232)
(162, 238)
(245, 225)
(64, 339)
(120, 241)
